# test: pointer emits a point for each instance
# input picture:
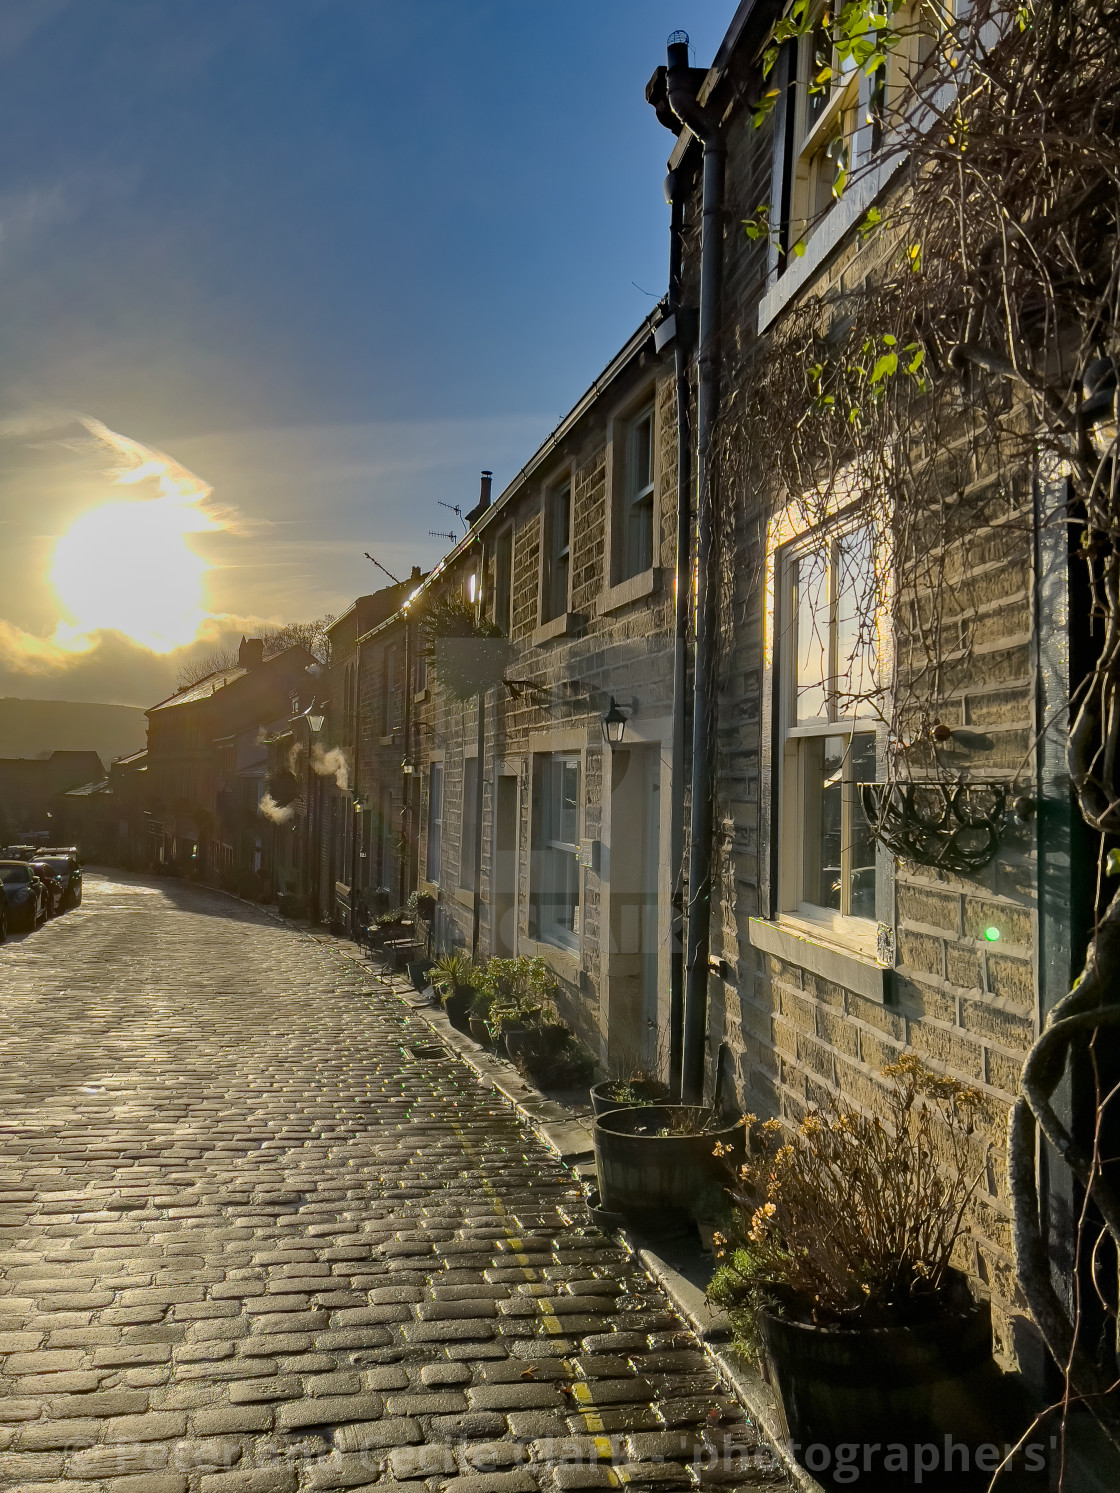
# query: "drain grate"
(425, 1052)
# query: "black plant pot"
(290, 905)
(645, 1173)
(457, 1005)
(534, 1042)
(644, 1091)
(418, 973)
(908, 1385)
(479, 1030)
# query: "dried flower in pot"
(839, 1265)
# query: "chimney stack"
(250, 653)
(483, 500)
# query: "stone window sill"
(856, 971)
(558, 627)
(563, 962)
(626, 592)
(386, 740)
(421, 697)
(464, 896)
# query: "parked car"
(65, 867)
(3, 913)
(26, 895)
(53, 885)
(21, 852)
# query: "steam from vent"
(272, 810)
(331, 764)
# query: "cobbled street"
(258, 1233)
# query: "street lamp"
(315, 717)
(614, 725)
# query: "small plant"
(515, 992)
(453, 974)
(853, 1221)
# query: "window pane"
(812, 636)
(560, 526)
(824, 818)
(641, 460)
(639, 537)
(503, 583)
(862, 770)
(856, 630)
(569, 802)
(435, 822)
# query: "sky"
(284, 275)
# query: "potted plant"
(660, 1159)
(478, 1017)
(551, 1057)
(518, 993)
(453, 977)
(839, 1270)
(623, 1093)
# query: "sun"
(127, 567)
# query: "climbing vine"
(952, 393)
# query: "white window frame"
(874, 158)
(633, 498)
(790, 540)
(556, 854)
(503, 581)
(468, 824)
(556, 549)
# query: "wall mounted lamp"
(614, 725)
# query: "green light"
(992, 935)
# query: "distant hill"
(34, 728)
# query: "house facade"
(207, 762)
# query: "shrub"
(853, 1221)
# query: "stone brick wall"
(964, 1000)
(562, 685)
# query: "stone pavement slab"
(258, 1232)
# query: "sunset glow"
(127, 566)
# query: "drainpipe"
(681, 84)
(678, 325)
(476, 916)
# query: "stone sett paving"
(257, 1234)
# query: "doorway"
(634, 929)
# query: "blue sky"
(334, 256)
